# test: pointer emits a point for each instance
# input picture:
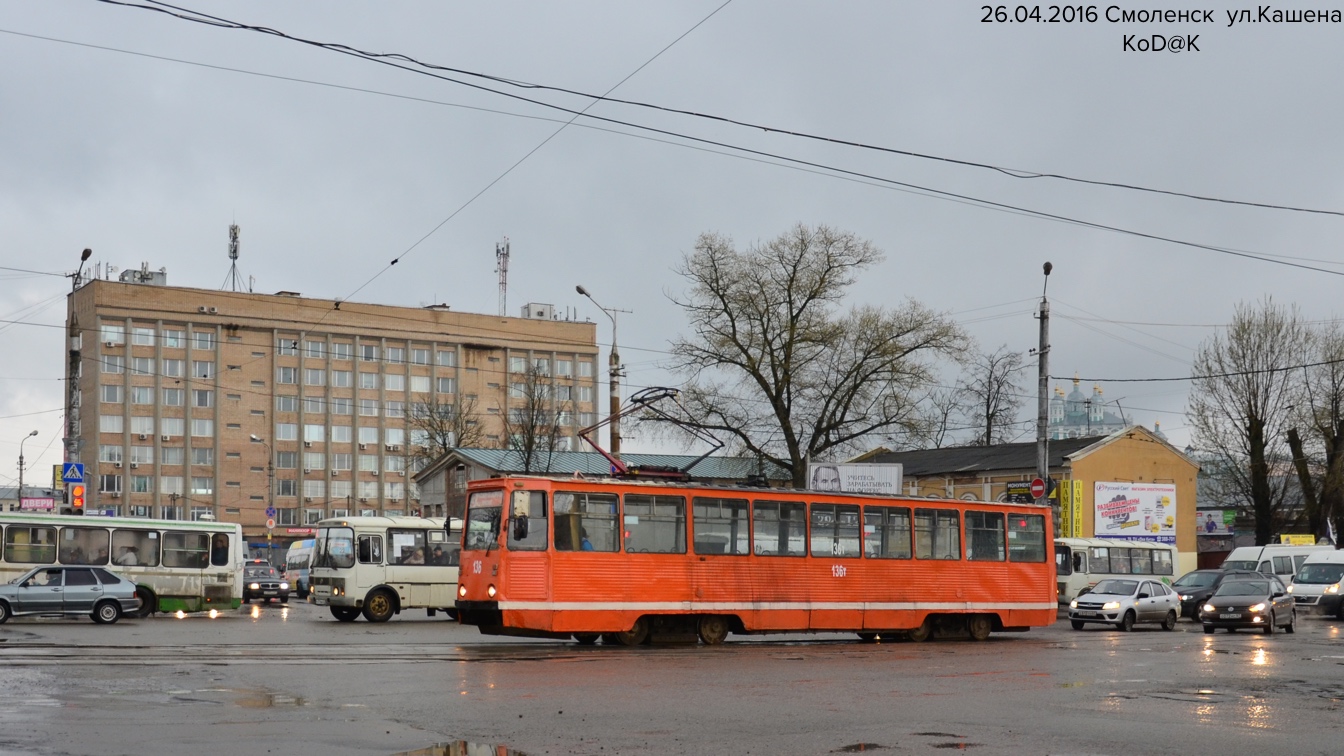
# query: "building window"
(287, 347)
(173, 426)
(585, 368)
(174, 339)
(114, 363)
(109, 483)
(204, 340)
(286, 487)
(564, 393)
(395, 436)
(340, 489)
(315, 489)
(340, 351)
(314, 405)
(316, 349)
(446, 358)
(144, 455)
(395, 409)
(314, 461)
(368, 380)
(202, 398)
(114, 335)
(286, 516)
(201, 456)
(368, 489)
(315, 377)
(368, 407)
(368, 463)
(341, 461)
(202, 427)
(419, 356)
(342, 406)
(142, 366)
(517, 364)
(394, 382)
(396, 355)
(287, 460)
(110, 393)
(142, 394)
(564, 367)
(542, 365)
(142, 484)
(286, 432)
(174, 368)
(142, 336)
(340, 434)
(286, 375)
(170, 484)
(172, 455)
(286, 403)
(202, 485)
(447, 386)
(109, 453)
(368, 435)
(173, 397)
(312, 516)
(368, 352)
(142, 425)
(202, 369)
(341, 378)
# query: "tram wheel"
(379, 607)
(867, 637)
(921, 633)
(979, 625)
(713, 629)
(586, 639)
(344, 613)
(635, 635)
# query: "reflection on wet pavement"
(462, 748)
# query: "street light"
(614, 375)
(25, 438)
(270, 492)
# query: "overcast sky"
(144, 136)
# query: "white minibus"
(1081, 562)
(1280, 559)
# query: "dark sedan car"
(1196, 587)
(69, 591)
(1253, 604)
(264, 583)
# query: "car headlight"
(1290, 589)
(1332, 588)
(1210, 608)
(1111, 605)
(1073, 604)
(284, 586)
(1258, 608)
(254, 586)
(1187, 596)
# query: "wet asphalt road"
(294, 681)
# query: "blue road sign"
(73, 472)
(270, 511)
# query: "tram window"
(483, 519)
(655, 524)
(779, 528)
(528, 521)
(135, 547)
(1026, 542)
(835, 530)
(886, 532)
(720, 526)
(189, 550)
(370, 549)
(585, 521)
(984, 536)
(30, 545)
(83, 546)
(1162, 562)
(937, 534)
(1141, 561)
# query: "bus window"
(585, 521)
(984, 536)
(1162, 562)
(1283, 565)
(83, 546)
(189, 550)
(370, 550)
(30, 545)
(937, 534)
(483, 512)
(655, 524)
(135, 547)
(219, 550)
(835, 530)
(886, 532)
(779, 528)
(406, 547)
(720, 525)
(1026, 540)
(1080, 562)
(527, 521)
(1141, 561)
(1064, 561)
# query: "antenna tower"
(233, 280)
(502, 268)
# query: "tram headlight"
(462, 591)
(490, 591)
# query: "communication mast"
(502, 268)
(234, 279)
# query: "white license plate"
(320, 600)
(1229, 616)
(1087, 614)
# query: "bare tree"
(440, 427)
(989, 395)
(1240, 409)
(532, 421)
(774, 365)
(1318, 455)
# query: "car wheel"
(4, 612)
(344, 613)
(1170, 622)
(1269, 626)
(1126, 622)
(379, 607)
(1077, 624)
(106, 612)
(1208, 629)
(1291, 627)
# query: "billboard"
(1216, 522)
(1135, 511)
(37, 504)
(855, 478)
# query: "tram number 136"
(837, 570)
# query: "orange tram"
(631, 562)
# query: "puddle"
(859, 748)
(462, 748)
(961, 746)
(937, 734)
(261, 700)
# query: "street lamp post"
(614, 375)
(270, 492)
(25, 438)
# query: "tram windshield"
(483, 511)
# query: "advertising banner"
(1077, 508)
(855, 478)
(1216, 522)
(37, 504)
(1135, 511)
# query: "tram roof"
(510, 462)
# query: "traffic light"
(77, 498)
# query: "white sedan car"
(1123, 602)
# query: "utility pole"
(72, 369)
(614, 375)
(1043, 398)
(25, 438)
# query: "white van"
(1280, 559)
(1316, 587)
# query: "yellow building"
(191, 403)
(1129, 484)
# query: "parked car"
(1317, 585)
(1263, 604)
(1197, 586)
(265, 583)
(95, 592)
(1126, 602)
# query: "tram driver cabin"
(633, 561)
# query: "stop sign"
(1037, 488)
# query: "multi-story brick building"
(189, 403)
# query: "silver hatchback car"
(64, 591)
(1125, 601)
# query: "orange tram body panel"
(634, 561)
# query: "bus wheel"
(148, 601)
(713, 629)
(379, 607)
(344, 613)
(585, 639)
(635, 635)
(979, 626)
(921, 633)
